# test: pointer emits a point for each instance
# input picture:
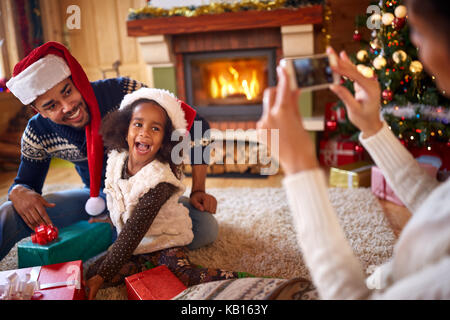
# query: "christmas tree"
(416, 111)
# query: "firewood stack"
(242, 157)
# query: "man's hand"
(203, 201)
(30, 206)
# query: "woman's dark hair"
(436, 12)
(114, 130)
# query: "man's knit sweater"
(43, 140)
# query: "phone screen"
(311, 72)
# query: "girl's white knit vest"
(172, 226)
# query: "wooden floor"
(398, 216)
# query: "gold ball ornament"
(416, 67)
(379, 62)
(365, 70)
(387, 18)
(400, 11)
(399, 56)
(362, 55)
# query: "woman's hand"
(363, 109)
(281, 112)
(93, 285)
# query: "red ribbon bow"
(44, 234)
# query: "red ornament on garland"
(331, 125)
(387, 94)
(357, 36)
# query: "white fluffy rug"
(256, 234)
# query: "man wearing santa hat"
(69, 112)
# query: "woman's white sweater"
(420, 265)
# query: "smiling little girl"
(143, 186)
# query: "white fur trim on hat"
(164, 98)
(38, 78)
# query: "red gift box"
(155, 284)
(61, 281)
(335, 153)
(381, 188)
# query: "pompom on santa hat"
(45, 67)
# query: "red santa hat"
(180, 113)
(40, 71)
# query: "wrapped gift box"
(62, 281)
(353, 175)
(336, 152)
(381, 188)
(80, 241)
(155, 284)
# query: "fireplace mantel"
(225, 21)
(164, 42)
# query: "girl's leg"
(176, 259)
(204, 225)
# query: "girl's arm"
(134, 230)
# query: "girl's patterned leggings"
(176, 259)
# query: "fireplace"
(221, 64)
(229, 85)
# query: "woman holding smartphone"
(419, 268)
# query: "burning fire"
(230, 80)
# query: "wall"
(102, 38)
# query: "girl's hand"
(93, 285)
(203, 201)
(281, 112)
(363, 109)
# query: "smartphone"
(310, 72)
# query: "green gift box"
(80, 241)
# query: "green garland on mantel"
(150, 12)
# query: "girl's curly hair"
(114, 130)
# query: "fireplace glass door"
(229, 85)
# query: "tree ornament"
(357, 36)
(416, 67)
(331, 125)
(387, 95)
(400, 11)
(375, 44)
(362, 55)
(379, 62)
(399, 23)
(399, 56)
(365, 70)
(387, 18)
